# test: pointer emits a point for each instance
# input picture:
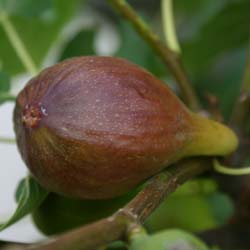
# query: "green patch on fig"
(96, 127)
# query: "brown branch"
(160, 186)
(116, 227)
(169, 57)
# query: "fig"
(96, 127)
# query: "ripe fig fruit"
(96, 127)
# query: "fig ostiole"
(95, 127)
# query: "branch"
(117, 226)
(169, 57)
(169, 27)
(163, 184)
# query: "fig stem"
(169, 25)
(168, 56)
(17, 43)
(229, 171)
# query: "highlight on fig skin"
(95, 127)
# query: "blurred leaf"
(28, 8)
(135, 49)
(58, 214)
(196, 186)
(29, 196)
(221, 206)
(189, 212)
(4, 88)
(82, 44)
(247, 161)
(192, 14)
(227, 30)
(5, 97)
(117, 245)
(224, 81)
(192, 6)
(4, 82)
(193, 207)
(168, 240)
(215, 34)
(37, 35)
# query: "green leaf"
(222, 207)
(168, 240)
(224, 81)
(19, 188)
(28, 8)
(37, 35)
(197, 186)
(58, 214)
(5, 97)
(195, 206)
(29, 196)
(188, 212)
(117, 245)
(4, 82)
(225, 31)
(193, 14)
(4, 88)
(82, 44)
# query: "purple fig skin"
(96, 127)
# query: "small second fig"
(96, 127)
